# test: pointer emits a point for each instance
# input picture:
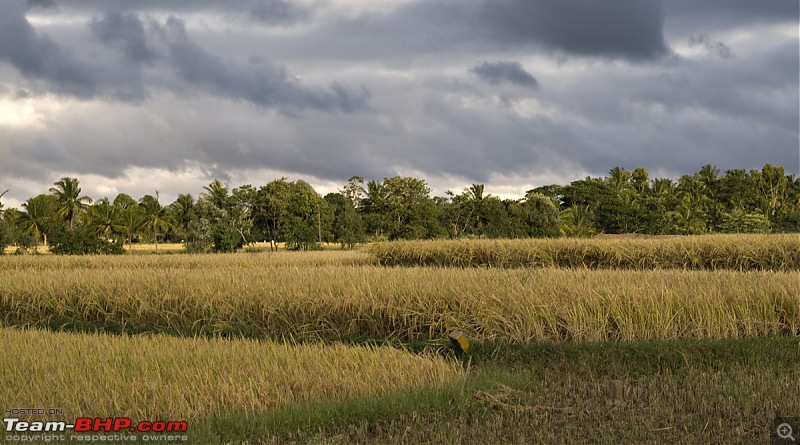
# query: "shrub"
(82, 242)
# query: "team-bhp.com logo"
(49, 430)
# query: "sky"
(150, 95)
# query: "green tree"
(541, 216)
(104, 219)
(619, 180)
(5, 228)
(124, 201)
(308, 217)
(1, 203)
(220, 221)
(241, 205)
(181, 212)
(153, 216)
(737, 221)
(576, 223)
(771, 185)
(374, 208)
(348, 225)
(217, 193)
(72, 205)
(37, 218)
(131, 220)
(689, 218)
(271, 207)
(401, 208)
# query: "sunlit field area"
(666, 340)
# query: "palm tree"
(475, 193)
(620, 179)
(709, 176)
(663, 186)
(35, 218)
(217, 193)
(1, 204)
(181, 212)
(130, 221)
(154, 215)
(576, 222)
(71, 204)
(123, 201)
(104, 218)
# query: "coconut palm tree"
(130, 221)
(181, 212)
(619, 179)
(71, 205)
(35, 219)
(104, 218)
(1, 204)
(217, 193)
(153, 216)
(576, 222)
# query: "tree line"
(225, 219)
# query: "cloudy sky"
(138, 96)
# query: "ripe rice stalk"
(158, 376)
(409, 303)
(711, 252)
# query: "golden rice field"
(147, 377)
(710, 252)
(291, 294)
(221, 335)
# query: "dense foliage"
(225, 220)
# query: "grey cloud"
(277, 12)
(160, 56)
(267, 12)
(126, 32)
(709, 16)
(40, 57)
(22, 94)
(43, 4)
(427, 113)
(421, 31)
(259, 82)
(496, 73)
(623, 28)
(627, 28)
(718, 48)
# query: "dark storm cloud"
(268, 12)
(621, 88)
(160, 47)
(627, 29)
(496, 73)
(56, 67)
(259, 81)
(125, 32)
(40, 57)
(622, 28)
(692, 16)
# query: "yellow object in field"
(459, 340)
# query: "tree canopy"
(225, 219)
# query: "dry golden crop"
(147, 377)
(231, 262)
(251, 295)
(711, 252)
